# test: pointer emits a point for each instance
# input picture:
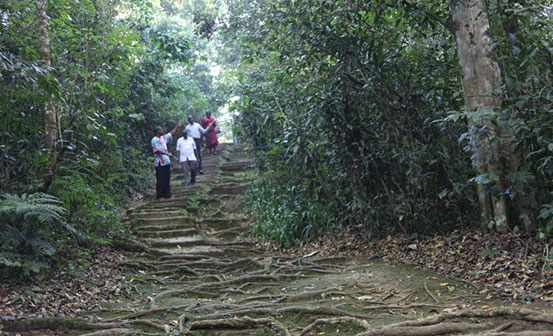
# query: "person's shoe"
(161, 199)
(201, 172)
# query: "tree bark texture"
(50, 118)
(481, 78)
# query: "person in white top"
(186, 152)
(195, 131)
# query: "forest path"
(201, 275)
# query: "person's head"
(208, 114)
(158, 130)
(185, 134)
(190, 119)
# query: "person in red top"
(211, 134)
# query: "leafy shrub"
(341, 101)
(343, 120)
(285, 215)
(30, 231)
(92, 208)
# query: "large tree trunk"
(50, 118)
(481, 78)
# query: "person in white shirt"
(186, 152)
(195, 131)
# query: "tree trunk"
(481, 78)
(50, 118)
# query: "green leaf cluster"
(29, 230)
(119, 68)
(345, 104)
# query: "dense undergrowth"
(118, 68)
(354, 110)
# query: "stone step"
(201, 251)
(155, 214)
(165, 227)
(183, 220)
(174, 204)
(236, 165)
(178, 242)
(167, 233)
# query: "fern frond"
(10, 259)
(11, 237)
(40, 247)
(40, 206)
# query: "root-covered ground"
(194, 273)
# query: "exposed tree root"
(303, 296)
(111, 332)
(518, 333)
(238, 323)
(429, 330)
(182, 320)
(333, 320)
(522, 314)
(430, 294)
(174, 292)
(380, 306)
(59, 323)
(175, 269)
(328, 311)
(248, 284)
(136, 246)
(55, 323)
(306, 296)
(119, 332)
(145, 313)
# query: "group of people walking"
(189, 153)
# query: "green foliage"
(287, 215)
(119, 68)
(30, 225)
(342, 98)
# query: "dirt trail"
(200, 276)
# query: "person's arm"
(177, 150)
(156, 150)
(204, 130)
(163, 153)
(174, 130)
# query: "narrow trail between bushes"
(199, 274)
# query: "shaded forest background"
(357, 114)
(118, 69)
(355, 111)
